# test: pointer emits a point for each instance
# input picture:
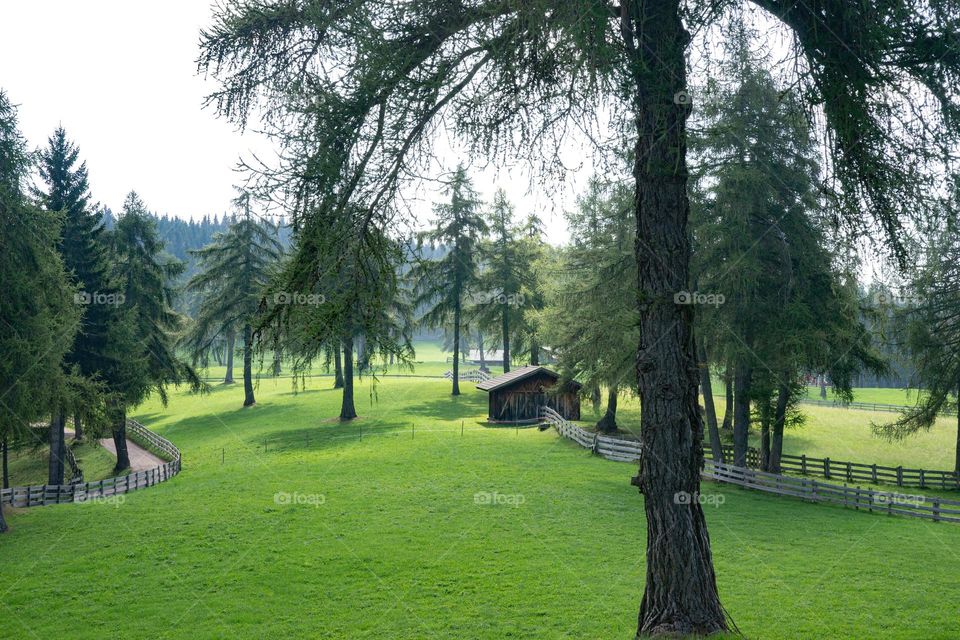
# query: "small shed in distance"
(517, 396)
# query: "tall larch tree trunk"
(3, 522)
(248, 399)
(6, 464)
(706, 387)
(779, 421)
(742, 378)
(680, 594)
(277, 358)
(77, 427)
(120, 437)
(505, 328)
(456, 346)
(347, 410)
(55, 467)
(337, 368)
(728, 399)
(483, 356)
(608, 423)
(231, 344)
(765, 436)
(956, 464)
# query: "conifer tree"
(84, 249)
(38, 317)
(146, 274)
(442, 285)
(234, 273)
(354, 93)
(497, 306)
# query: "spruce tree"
(234, 273)
(38, 316)
(146, 274)
(590, 316)
(66, 190)
(443, 284)
(498, 303)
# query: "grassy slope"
(841, 434)
(399, 549)
(430, 360)
(864, 394)
(29, 466)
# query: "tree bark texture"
(6, 464)
(120, 437)
(742, 378)
(248, 398)
(55, 467)
(337, 368)
(505, 329)
(608, 423)
(706, 387)
(680, 594)
(347, 410)
(779, 421)
(456, 345)
(728, 400)
(231, 344)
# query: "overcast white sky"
(120, 77)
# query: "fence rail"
(474, 375)
(937, 509)
(933, 508)
(42, 495)
(856, 471)
(868, 406)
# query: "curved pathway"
(140, 458)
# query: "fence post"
(874, 469)
(922, 480)
(813, 485)
(849, 472)
(900, 476)
(803, 464)
(936, 509)
(826, 468)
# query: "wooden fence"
(42, 495)
(867, 406)
(474, 375)
(856, 471)
(933, 508)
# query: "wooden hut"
(518, 395)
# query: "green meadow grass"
(429, 360)
(287, 524)
(837, 433)
(877, 395)
(28, 466)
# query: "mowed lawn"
(840, 434)
(286, 524)
(430, 359)
(29, 465)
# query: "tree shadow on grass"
(451, 408)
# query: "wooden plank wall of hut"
(522, 401)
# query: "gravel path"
(140, 458)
